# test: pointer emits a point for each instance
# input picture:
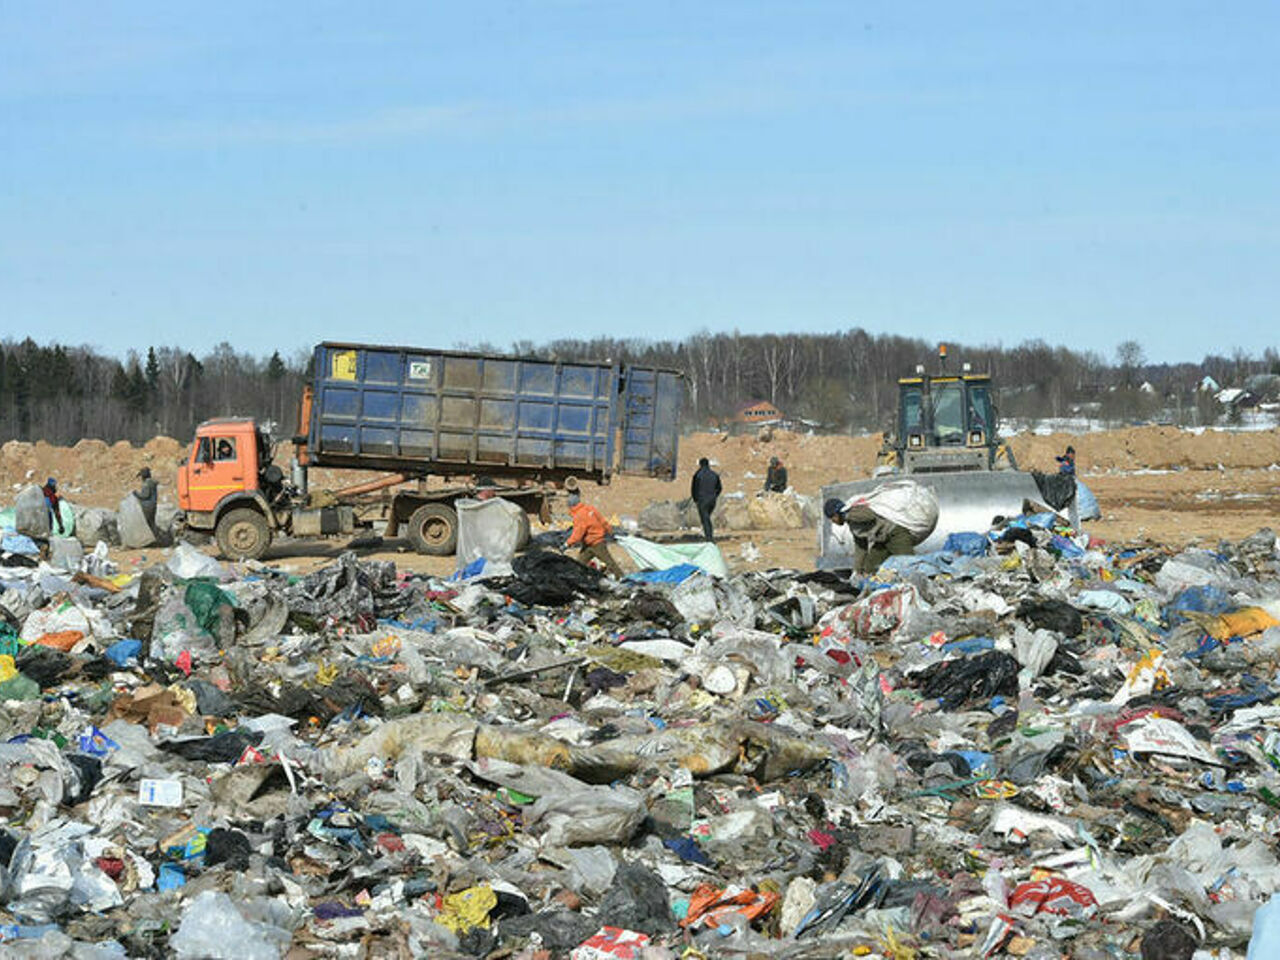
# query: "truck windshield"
(948, 413)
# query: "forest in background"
(842, 381)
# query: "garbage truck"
(945, 438)
(523, 428)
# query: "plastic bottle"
(21, 931)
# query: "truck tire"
(243, 534)
(433, 529)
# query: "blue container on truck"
(444, 413)
(525, 425)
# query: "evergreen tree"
(275, 368)
(153, 372)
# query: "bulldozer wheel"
(433, 529)
(243, 534)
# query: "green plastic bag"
(204, 600)
(19, 688)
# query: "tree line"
(848, 380)
(61, 394)
(840, 381)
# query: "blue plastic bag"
(965, 544)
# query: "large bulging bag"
(901, 501)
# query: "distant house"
(1236, 397)
(1209, 385)
(760, 412)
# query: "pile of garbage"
(735, 511)
(127, 526)
(1028, 744)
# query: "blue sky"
(276, 174)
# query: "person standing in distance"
(775, 480)
(147, 494)
(705, 491)
(53, 503)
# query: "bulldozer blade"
(967, 501)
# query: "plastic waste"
(658, 556)
(213, 928)
(135, 531)
(31, 513)
(190, 563)
(488, 529)
(1264, 942)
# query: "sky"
(433, 174)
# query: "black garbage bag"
(550, 579)
(957, 682)
(351, 694)
(1017, 535)
(210, 701)
(44, 665)
(227, 846)
(1169, 940)
(655, 609)
(1056, 615)
(88, 774)
(560, 930)
(638, 901)
(1057, 489)
(220, 748)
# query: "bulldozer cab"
(945, 423)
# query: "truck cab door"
(217, 469)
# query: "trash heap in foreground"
(1023, 745)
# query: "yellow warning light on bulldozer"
(942, 351)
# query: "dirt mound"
(1152, 448)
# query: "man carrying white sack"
(889, 521)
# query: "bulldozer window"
(910, 412)
(979, 409)
(948, 413)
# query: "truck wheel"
(433, 529)
(522, 538)
(243, 534)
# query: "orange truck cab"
(227, 484)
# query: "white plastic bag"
(135, 532)
(188, 563)
(489, 529)
(31, 513)
(213, 928)
(589, 815)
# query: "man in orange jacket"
(589, 531)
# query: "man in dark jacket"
(775, 480)
(705, 490)
(147, 496)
